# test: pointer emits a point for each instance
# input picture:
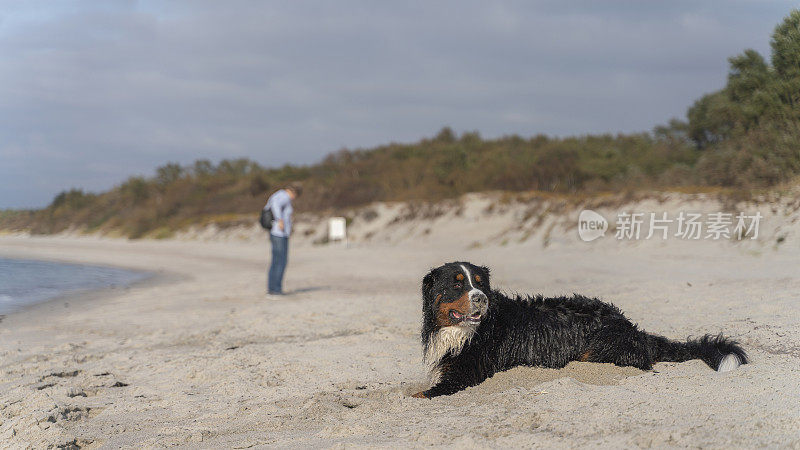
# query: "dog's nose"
(478, 297)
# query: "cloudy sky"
(92, 92)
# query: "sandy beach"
(199, 357)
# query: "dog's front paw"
(419, 395)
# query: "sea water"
(24, 282)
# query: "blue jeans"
(280, 255)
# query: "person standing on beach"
(281, 205)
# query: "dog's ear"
(428, 281)
(428, 322)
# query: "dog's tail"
(720, 353)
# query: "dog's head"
(454, 295)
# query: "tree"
(711, 119)
(168, 174)
(136, 188)
(785, 45)
(445, 135)
(748, 73)
(755, 93)
(203, 168)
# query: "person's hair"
(296, 187)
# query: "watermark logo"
(686, 226)
(591, 225)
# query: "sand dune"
(200, 357)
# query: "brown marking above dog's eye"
(460, 277)
(478, 278)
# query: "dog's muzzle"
(478, 299)
(478, 305)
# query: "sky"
(93, 92)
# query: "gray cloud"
(93, 92)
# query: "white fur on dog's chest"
(446, 340)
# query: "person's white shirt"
(281, 205)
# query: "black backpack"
(266, 218)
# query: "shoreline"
(86, 296)
(77, 296)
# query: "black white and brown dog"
(470, 332)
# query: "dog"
(470, 332)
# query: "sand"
(200, 357)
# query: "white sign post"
(337, 229)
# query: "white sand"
(208, 361)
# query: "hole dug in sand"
(601, 374)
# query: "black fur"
(546, 332)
